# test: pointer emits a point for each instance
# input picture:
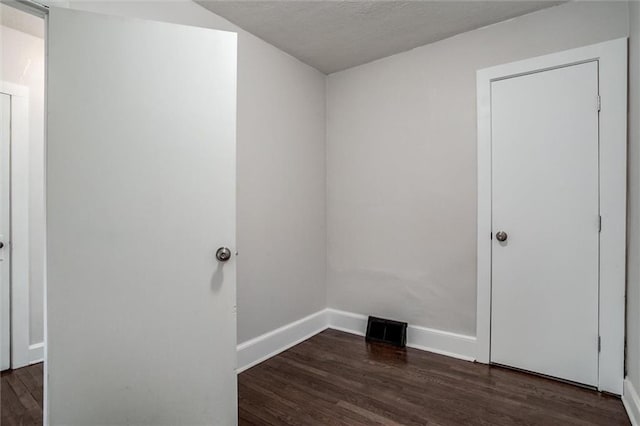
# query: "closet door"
(545, 213)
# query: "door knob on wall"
(501, 236)
(223, 254)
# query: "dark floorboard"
(335, 378)
(21, 396)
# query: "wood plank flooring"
(21, 396)
(335, 378)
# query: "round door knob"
(223, 254)
(501, 236)
(1, 244)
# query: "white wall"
(281, 172)
(22, 63)
(401, 165)
(401, 161)
(633, 220)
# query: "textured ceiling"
(335, 35)
(21, 21)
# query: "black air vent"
(387, 331)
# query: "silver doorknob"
(223, 254)
(501, 236)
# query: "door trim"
(612, 59)
(19, 222)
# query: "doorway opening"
(22, 208)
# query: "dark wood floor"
(21, 396)
(335, 378)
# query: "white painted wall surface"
(281, 171)
(401, 165)
(406, 118)
(633, 218)
(22, 62)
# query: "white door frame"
(19, 237)
(612, 59)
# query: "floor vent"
(386, 331)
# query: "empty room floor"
(21, 396)
(335, 378)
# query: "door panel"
(140, 194)
(5, 231)
(544, 309)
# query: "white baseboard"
(36, 353)
(426, 339)
(631, 402)
(347, 321)
(263, 347)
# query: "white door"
(140, 193)
(544, 307)
(5, 230)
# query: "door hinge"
(599, 343)
(599, 103)
(599, 223)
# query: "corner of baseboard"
(261, 348)
(347, 322)
(631, 402)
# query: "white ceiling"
(335, 35)
(21, 21)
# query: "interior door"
(545, 209)
(141, 324)
(5, 230)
